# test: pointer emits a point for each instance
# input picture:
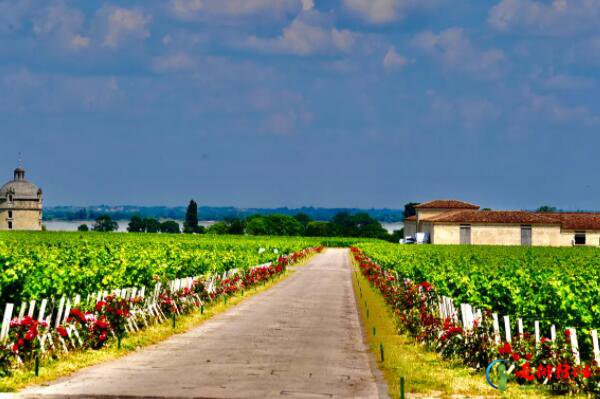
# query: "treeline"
(208, 213)
(343, 224)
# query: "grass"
(426, 373)
(67, 364)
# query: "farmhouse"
(20, 204)
(459, 222)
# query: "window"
(465, 233)
(579, 238)
(10, 216)
(10, 225)
(526, 235)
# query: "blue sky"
(368, 103)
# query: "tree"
(105, 223)
(170, 226)
(235, 226)
(191, 218)
(546, 209)
(257, 226)
(83, 227)
(409, 209)
(151, 225)
(218, 228)
(136, 225)
(302, 218)
(318, 229)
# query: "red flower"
(62, 331)
(102, 336)
(100, 305)
(29, 336)
(505, 349)
(516, 357)
(20, 342)
(568, 333)
(528, 356)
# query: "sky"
(334, 103)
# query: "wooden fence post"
(496, 325)
(595, 346)
(507, 328)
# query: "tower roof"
(19, 187)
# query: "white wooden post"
(574, 344)
(520, 327)
(59, 312)
(77, 300)
(22, 310)
(496, 325)
(537, 332)
(8, 309)
(31, 308)
(143, 291)
(596, 348)
(42, 309)
(553, 333)
(463, 315)
(67, 311)
(507, 328)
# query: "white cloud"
(303, 37)
(468, 113)
(557, 17)
(384, 11)
(173, 62)
(123, 23)
(308, 5)
(190, 9)
(567, 82)
(393, 60)
(79, 41)
(550, 108)
(453, 48)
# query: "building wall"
(592, 238)
(27, 215)
(410, 228)
(425, 213)
(501, 234)
(446, 234)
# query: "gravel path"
(300, 339)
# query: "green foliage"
(136, 225)
(552, 285)
(151, 225)
(83, 227)
(274, 225)
(42, 265)
(170, 226)
(409, 209)
(104, 223)
(319, 229)
(191, 218)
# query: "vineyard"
(553, 285)
(45, 265)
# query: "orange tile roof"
(502, 217)
(446, 204)
(412, 218)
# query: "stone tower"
(20, 204)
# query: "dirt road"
(299, 339)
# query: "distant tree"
(191, 218)
(151, 225)
(218, 228)
(486, 209)
(136, 225)
(236, 226)
(169, 226)
(546, 209)
(83, 227)
(257, 226)
(302, 218)
(396, 236)
(318, 229)
(409, 209)
(105, 223)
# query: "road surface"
(300, 339)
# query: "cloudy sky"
(366, 103)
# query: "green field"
(552, 285)
(42, 265)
